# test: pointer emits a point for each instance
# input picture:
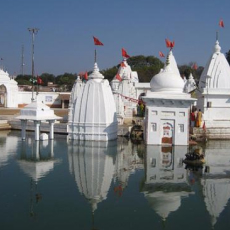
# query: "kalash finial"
(217, 47)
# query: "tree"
(66, 81)
(23, 79)
(46, 77)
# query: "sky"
(64, 42)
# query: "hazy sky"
(64, 42)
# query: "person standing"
(199, 118)
(192, 119)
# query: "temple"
(93, 111)
(167, 107)
(214, 95)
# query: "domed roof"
(216, 74)
(169, 79)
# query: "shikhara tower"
(93, 111)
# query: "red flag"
(161, 54)
(221, 23)
(39, 80)
(123, 64)
(195, 67)
(204, 126)
(169, 44)
(97, 42)
(118, 77)
(86, 75)
(124, 53)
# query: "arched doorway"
(3, 96)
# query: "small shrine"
(214, 95)
(94, 113)
(37, 112)
(167, 107)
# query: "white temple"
(214, 96)
(8, 91)
(124, 90)
(190, 84)
(75, 92)
(167, 107)
(94, 112)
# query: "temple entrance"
(167, 132)
(3, 96)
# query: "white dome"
(169, 78)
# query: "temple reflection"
(8, 145)
(92, 164)
(166, 180)
(216, 178)
(128, 159)
(36, 158)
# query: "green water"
(91, 185)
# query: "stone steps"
(4, 125)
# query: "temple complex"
(167, 107)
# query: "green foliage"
(146, 66)
(46, 77)
(228, 56)
(23, 79)
(66, 81)
(110, 73)
(185, 70)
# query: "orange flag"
(97, 42)
(221, 23)
(118, 77)
(86, 75)
(124, 53)
(161, 54)
(169, 44)
(195, 67)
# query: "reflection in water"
(127, 161)
(36, 160)
(92, 164)
(166, 180)
(8, 145)
(216, 178)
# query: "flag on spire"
(169, 44)
(161, 54)
(221, 23)
(124, 53)
(97, 42)
(118, 77)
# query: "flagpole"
(95, 56)
(217, 35)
